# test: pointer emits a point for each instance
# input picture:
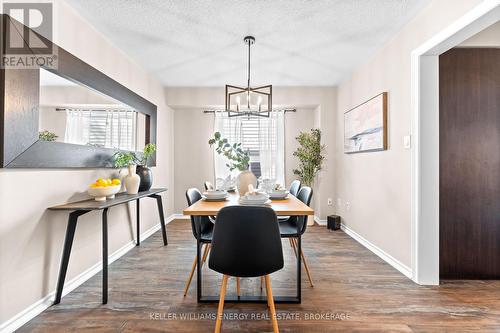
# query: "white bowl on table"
(255, 198)
(278, 194)
(215, 195)
(101, 193)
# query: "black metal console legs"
(105, 256)
(159, 203)
(68, 243)
(70, 235)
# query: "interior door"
(469, 143)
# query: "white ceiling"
(200, 42)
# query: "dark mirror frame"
(19, 112)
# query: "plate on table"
(205, 198)
(278, 197)
(254, 203)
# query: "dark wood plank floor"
(351, 283)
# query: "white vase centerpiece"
(244, 179)
(132, 180)
(238, 159)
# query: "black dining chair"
(288, 228)
(206, 227)
(246, 243)
(209, 186)
(294, 187)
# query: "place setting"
(215, 195)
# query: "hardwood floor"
(147, 284)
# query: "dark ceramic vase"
(146, 176)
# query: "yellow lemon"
(101, 182)
(116, 181)
(94, 186)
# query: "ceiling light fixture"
(249, 101)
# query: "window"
(102, 128)
(262, 137)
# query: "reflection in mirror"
(73, 113)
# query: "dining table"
(290, 206)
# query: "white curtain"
(77, 126)
(112, 128)
(271, 143)
(229, 128)
(272, 147)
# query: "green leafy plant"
(149, 150)
(310, 155)
(238, 158)
(47, 136)
(123, 159)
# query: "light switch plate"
(407, 141)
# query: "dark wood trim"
(20, 146)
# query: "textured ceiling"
(200, 43)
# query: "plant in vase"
(310, 155)
(126, 159)
(143, 170)
(238, 159)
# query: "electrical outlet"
(330, 202)
(348, 205)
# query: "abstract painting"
(365, 126)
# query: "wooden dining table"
(291, 206)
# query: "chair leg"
(188, 283)
(238, 286)
(220, 310)
(270, 301)
(292, 243)
(205, 254)
(306, 266)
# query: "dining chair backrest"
(246, 242)
(209, 186)
(193, 195)
(305, 195)
(295, 187)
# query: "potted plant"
(238, 159)
(143, 170)
(47, 136)
(310, 155)
(127, 159)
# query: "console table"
(79, 208)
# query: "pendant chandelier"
(249, 101)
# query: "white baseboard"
(39, 306)
(405, 270)
(319, 221)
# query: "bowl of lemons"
(104, 188)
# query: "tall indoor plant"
(238, 159)
(310, 155)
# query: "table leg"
(299, 263)
(105, 256)
(162, 217)
(198, 271)
(138, 222)
(68, 243)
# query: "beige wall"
(194, 159)
(489, 37)
(31, 237)
(377, 185)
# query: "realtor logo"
(28, 36)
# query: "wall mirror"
(71, 116)
(75, 114)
